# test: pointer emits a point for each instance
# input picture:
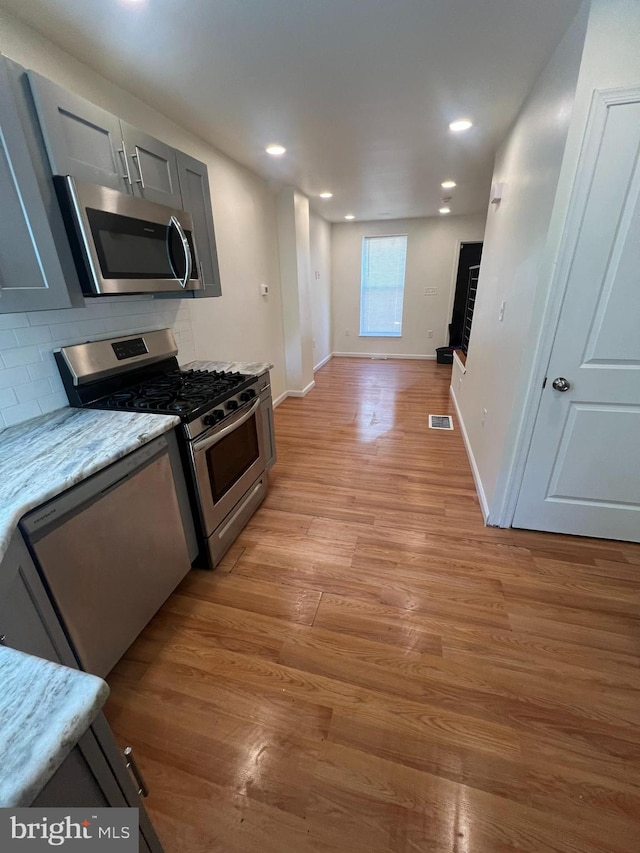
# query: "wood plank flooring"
(372, 669)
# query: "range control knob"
(213, 417)
(231, 405)
(249, 394)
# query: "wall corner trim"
(484, 506)
(304, 391)
(280, 399)
(323, 362)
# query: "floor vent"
(440, 422)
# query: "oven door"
(227, 461)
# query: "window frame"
(365, 238)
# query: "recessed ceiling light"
(349, 216)
(460, 124)
(448, 185)
(275, 150)
(326, 195)
(444, 210)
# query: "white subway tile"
(70, 315)
(66, 331)
(56, 385)
(42, 370)
(32, 335)
(31, 376)
(32, 391)
(49, 317)
(8, 397)
(53, 401)
(8, 339)
(92, 327)
(13, 321)
(113, 324)
(13, 376)
(21, 355)
(22, 412)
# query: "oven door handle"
(206, 443)
(174, 222)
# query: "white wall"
(515, 265)
(294, 253)
(242, 324)
(239, 325)
(432, 258)
(320, 287)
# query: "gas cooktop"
(140, 373)
(187, 393)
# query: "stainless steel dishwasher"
(111, 550)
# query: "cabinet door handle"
(133, 768)
(3, 640)
(123, 153)
(136, 157)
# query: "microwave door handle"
(175, 222)
(206, 443)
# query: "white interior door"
(582, 474)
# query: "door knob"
(561, 384)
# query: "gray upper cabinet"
(31, 277)
(152, 167)
(45, 130)
(82, 139)
(93, 145)
(194, 184)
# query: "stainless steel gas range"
(222, 431)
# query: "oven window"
(230, 458)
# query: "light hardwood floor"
(371, 669)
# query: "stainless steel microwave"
(124, 244)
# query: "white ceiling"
(359, 91)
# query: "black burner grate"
(178, 392)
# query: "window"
(382, 286)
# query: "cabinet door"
(75, 784)
(82, 139)
(152, 166)
(31, 277)
(196, 199)
(28, 622)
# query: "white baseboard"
(280, 399)
(381, 355)
(323, 362)
(304, 391)
(484, 506)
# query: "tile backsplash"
(29, 381)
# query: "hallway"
(372, 670)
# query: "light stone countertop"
(251, 368)
(45, 708)
(43, 457)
